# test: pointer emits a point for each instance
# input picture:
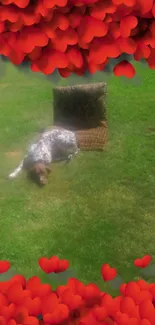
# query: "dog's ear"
(36, 168)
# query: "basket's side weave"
(92, 139)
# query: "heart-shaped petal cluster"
(53, 264)
(143, 262)
(77, 35)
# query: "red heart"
(20, 314)
(60, 289)
(35, 54)
(89, 319)
(127, 306)
(59, 21)
(44, 290)
(127, 24)
(44, 264)
(143, 262)
(108, 302)
(33, 306)
(122, 288)
(26, 44)
(54, 264)
(63, 266)
(100, 9)
(30, 320)
(76, 286)
(91, 292)
(72, 301)
(18, 279)
(132, 289)
(16, 294)
(4, 266)
(100, 313)
(4, 286)
(91, 27)
(143, 284)
(59, 315)
(38, 289)
(124, 68)
(64, 72)
(8, 311)
(28, 19)
(49, 304)
(144, 6)
(21, 3)
(75, 57)
(127, 45)
(144, 295)
(147, 311)
(152, 290)
(142, 51)
(121, 318)
(75, 17)
(116, 304)
(108, 273)
(32, 284)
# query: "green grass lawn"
(98, 209)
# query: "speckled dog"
(55, 144)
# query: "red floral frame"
(30, 302)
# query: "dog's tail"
(16, 171)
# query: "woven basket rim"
(84, 86)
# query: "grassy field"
(98, 209)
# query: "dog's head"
(39, 173)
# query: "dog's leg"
(70, 157)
